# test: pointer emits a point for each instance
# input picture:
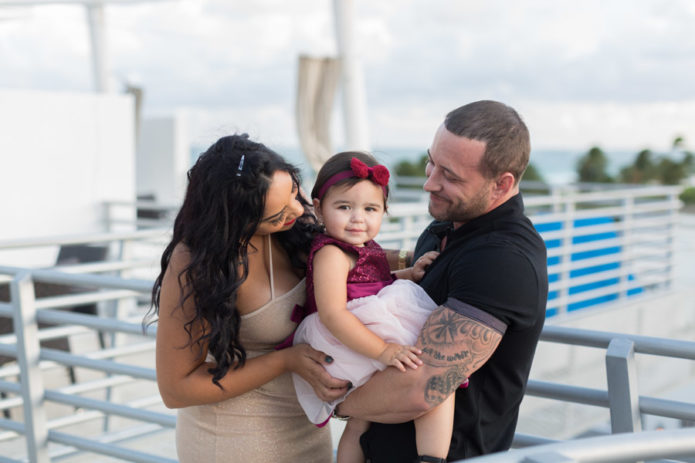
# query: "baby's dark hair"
(341, 163)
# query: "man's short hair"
(506, 137)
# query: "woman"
(229, 280)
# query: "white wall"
(61, 156)
(163, 158)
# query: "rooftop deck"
(620, 360)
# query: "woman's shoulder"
(180, 258)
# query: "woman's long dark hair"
(223, 207)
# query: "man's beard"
(464, 211)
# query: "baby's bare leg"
(349, 450)
(433, 430)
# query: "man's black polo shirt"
(497, 264)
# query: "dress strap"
(270, 257)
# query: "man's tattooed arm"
(453, 346)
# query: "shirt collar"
(513, 205)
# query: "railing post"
(623, 397)
(627, 246)
(408, 226)
(566, 255)
(673, 220)
(26, 330)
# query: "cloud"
(581, 72)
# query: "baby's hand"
(421, 264)
(400, 356)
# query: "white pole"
(354, 100)
(97, 34)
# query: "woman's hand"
(421, 264)
(309, 363)
(400, 356)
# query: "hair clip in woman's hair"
(241, 165)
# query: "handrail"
(627, 447)
(635, 273)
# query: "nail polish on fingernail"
(349, 385)
(329, 359)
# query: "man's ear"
(504, 184)
(317, 208)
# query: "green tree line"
(648, 167)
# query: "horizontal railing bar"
(622, 447)
(113, 437)
(103, 281)
(69, 300)
(12, 425)
(107, 366)
(105, 449)
(621, 272)
(640, 226)
(641, 280)
(107, 266)
(84, 239)
(637, 212)
(599, 398)
(601, 339)
(527, 440)
(9, 350)
(112, 408)
(667, 408)
(9, 386)
(145, 204)
(93, 321)
(46, 334)
(596, 293)
(6, 310)
(89, 415)
(575, 394)
(96, 384)
(9, 460)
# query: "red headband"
(378, 174)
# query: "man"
(490, 282)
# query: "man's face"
(458, 190)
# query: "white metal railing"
(616, 448)
(621, 397)
(33, 362)
(605, 243)
(622, 236)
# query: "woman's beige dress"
(264, 425)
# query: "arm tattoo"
(455, 346)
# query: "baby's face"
(352, 214)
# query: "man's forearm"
(453, 347)
(390, 396)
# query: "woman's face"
(281, 205)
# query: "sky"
(618, 74)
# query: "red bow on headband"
(379, 174)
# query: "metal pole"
(27, 332)
(97, 35)
(623, 396)
(354, 100)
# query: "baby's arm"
(331, 267)
(417, 271)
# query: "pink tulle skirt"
(396, 314)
